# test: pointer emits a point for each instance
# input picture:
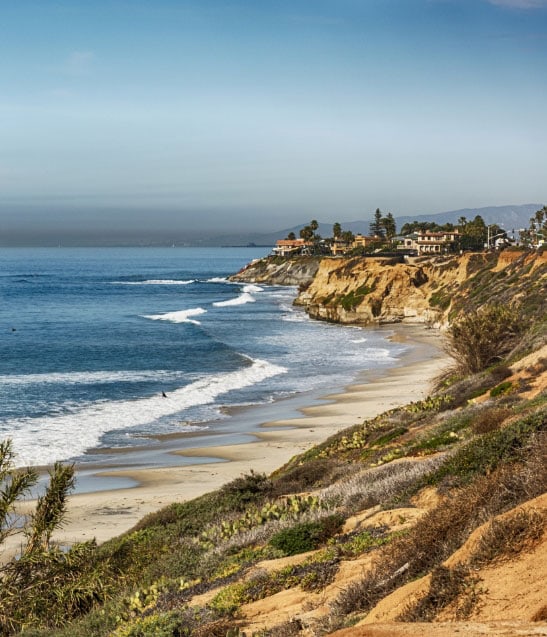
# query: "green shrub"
(440, 299)
(501, 389)
(355, 297)
(250, 488)
(304, 476)
(486, 452)
(434, 443)
(164, 625)
(384, 438)
(306, 536)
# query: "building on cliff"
(342, 246)
(426, 242)
(289, 247)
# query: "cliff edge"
(426, 290)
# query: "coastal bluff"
(375, 290)
(298, 271)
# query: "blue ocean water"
(91, 339)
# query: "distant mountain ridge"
(510, 217)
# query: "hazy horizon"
(199, 117)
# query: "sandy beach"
(107, 513)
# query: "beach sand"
(108, 513)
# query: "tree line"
(474, 234)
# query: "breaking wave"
(240, 300)
(41, 441)
(156, 282)
(181, 316)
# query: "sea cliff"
(279, 271)
(423, 290)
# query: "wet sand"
(190, 466)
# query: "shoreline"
(133, 492)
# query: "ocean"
(103, 347)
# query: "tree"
(291, 236)
(376, 226)
(336, 230)
(347, 236)
(389, 226)
(474, 234)
(314, 225)
(306, 233)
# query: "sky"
(159, 116)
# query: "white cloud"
(520, 4)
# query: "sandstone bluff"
(364, 291)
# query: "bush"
(307, 536)
(481, 338)
(44, 586)
(486, 452)
(489, 420)
(509, 536)
(447, 584)
(501, 389)
(250, 488)
(303, 477)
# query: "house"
(341, 246)
(427, 242)
(362, 241)
(288, 247)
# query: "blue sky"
(261, 113)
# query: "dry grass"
(447, 585)
(489, 420)
(507, 537)
(444, 529)
(481, 338)
(373, 486)
(309, 475)
(287, 629)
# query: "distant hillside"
(509, 217)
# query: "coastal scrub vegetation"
(475, 454)
(483, 337)
(44, 584)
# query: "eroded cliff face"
(279, 271)
(420, 290)
(364, 291)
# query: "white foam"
(220, 279)
(252, 288)
(240, 300)
(181, 316)
(293, 316)
(156, 282)
(45, 440)
(75, 378)
(359, 340)
(377, 354)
